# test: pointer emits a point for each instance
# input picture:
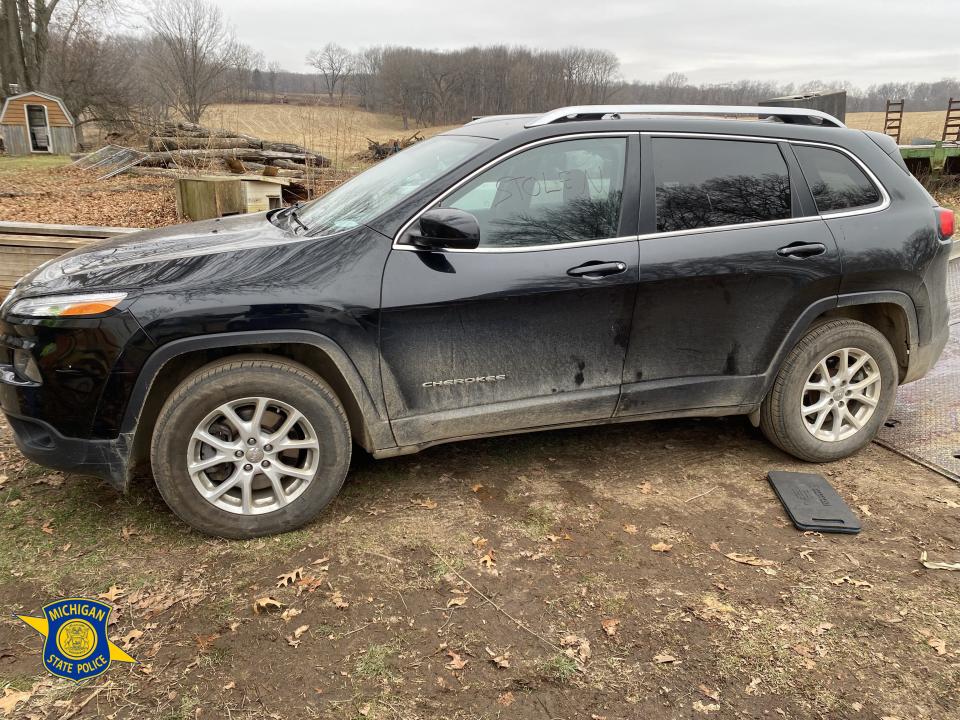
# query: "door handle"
(596, 269)
(802, 250)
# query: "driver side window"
(563, 192)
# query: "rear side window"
(709, 183)
(835, 180)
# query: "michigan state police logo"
(76, 646)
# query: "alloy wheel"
(840, 394)
(253, 456)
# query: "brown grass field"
(338, 133)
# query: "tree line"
(177, 57)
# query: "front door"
(38, 128)
(738, 255)
(530, 329)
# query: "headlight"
(67, 305)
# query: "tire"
(790, 413)
(316, 447)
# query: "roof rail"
(800, 116)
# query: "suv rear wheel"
(833, 392)
(250, 447)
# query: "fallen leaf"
(456, 662)
(47, 527)
(300, 631)
(336, 597)
(851, 581)
(939, 645)
(489, 560)
(931, 565)
(456, 602)
(865, 509)
(364, 709)
(127, 532)
(700, 707)
(289, 578)
(427, 503)
(127, 640)
(554, 538)
(630, 529)
(501, 661)
(857, 706)
(751, 689)
(476, 487)
(230, 685)
(479, 542)
(663, 658)
(321, 561)
(610, 626)
(577, 648)
(712, 694)
(749, 560)
(113, 594)
(661, 547)
(266, 604)
(506, 699)
(805, 554)
(234, 625)
(11, 698)
(290, 613)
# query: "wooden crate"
(206, 197)
(19, 254)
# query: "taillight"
(947, 222)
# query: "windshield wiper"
(291, 212)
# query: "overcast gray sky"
(864, 41)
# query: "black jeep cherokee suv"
(590, 265)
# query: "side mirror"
(446, 228)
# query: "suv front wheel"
(250, 447)
(832, 393)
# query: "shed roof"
(13, 98)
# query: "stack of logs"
(178, 145)
(379, 150)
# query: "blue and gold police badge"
(76, 646)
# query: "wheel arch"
(892, 313)
(170, 364)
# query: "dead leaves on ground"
(285, 579)
(661, 547)
(500, 660)
(610, 626)
(11, 698)
(936, 565)
(294, 639)
(766, 566)
(576, 648)
(456, 661)
(113, 594)
(266, 604)
(847, 580)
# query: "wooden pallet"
(24, 246)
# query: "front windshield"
(376, 190)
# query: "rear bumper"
(105, 459)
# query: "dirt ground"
(570, 574)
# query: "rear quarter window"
(836, 181)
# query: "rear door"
(733, 255)
(529, 329)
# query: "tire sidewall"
(861, 337)
(186, 411)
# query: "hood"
(131, 260)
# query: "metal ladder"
(951, 125)
(893, 119)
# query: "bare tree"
(24, 39)
(334, 62)
(196, 49)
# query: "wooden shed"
(34, 122)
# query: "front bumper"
(105, 459)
